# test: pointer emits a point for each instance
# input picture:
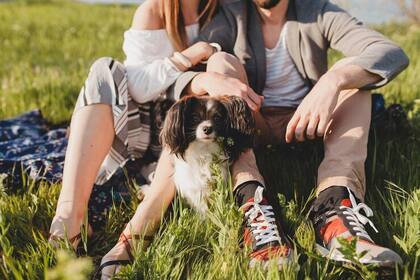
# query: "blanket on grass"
(32, 148)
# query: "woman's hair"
(174, 21)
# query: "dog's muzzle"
(205, 131)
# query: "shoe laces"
(356, 219)
(261, 220)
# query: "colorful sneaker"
(262, 233)
(344, 220)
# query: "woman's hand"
(216, 84)
(314, 113)
(200, 51)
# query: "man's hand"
(314, 113)
(216, 84)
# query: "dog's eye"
(196, 118)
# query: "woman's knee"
(105, 62)
(99, 87)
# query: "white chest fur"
(193, 173)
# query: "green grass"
(45, 53)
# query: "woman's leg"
(91, 137)
(157, 199)
(92, 132)
(148, 214)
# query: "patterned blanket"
(27, 144)
(30, 147)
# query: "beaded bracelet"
(182, 59)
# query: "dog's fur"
(198, 129)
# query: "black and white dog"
(199, 129)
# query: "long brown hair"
(174, 21)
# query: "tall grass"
(46, 51)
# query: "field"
(46, 49)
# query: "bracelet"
(183, 60)
(216, 48)
(176, 64)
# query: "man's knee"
(228, 64)
(222, 57)
(356, 97)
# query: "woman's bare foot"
(65, 229)
(121, 254)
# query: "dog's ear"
(241, 126)
(173, 132)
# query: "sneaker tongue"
(259, 195)
(346, 202)
(251, 201)
(263, 201)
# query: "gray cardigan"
(314, 27)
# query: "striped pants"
(134, 131)
(137, 128)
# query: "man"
(281, 71)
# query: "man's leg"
(345, 144)
(341, 183)
(262, 232)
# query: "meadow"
(46, 49)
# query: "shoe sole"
(280, 263)
(324, 252)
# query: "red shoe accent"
(270, 252)
(247, 236)
(346, 202)
(333, 229)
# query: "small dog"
(199, 129)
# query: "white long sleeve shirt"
(149, 70)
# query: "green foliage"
(348, 249)
(46, 51)
(69, 268)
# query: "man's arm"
(315, 111)
(369, 49)
(375, 61)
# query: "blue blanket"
(27, 144)
(30, 147)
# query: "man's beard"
(266, 4)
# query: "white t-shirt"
(284, 86)
(149, 70)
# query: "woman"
(109, 126)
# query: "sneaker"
(262, 233)
(344, 220)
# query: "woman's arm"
(149, 71)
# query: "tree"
(411, 8)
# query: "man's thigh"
(273, 131)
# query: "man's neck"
(275, 15)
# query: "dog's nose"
(207, 130)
